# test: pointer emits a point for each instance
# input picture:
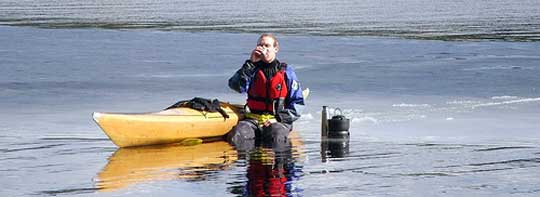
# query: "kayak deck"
(166, 126)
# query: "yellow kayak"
(168, 126)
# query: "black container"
(338, 126)
(338, 123)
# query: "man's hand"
(267, 123)
(257, 54)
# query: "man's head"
(270, 44)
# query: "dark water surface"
(429, 118)
(422, 19)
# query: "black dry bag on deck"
(201, 104)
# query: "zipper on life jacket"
(268, 86)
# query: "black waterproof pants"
(247, 135)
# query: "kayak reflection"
(271, 169)
(128, 166)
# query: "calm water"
(429, 117)
(425, 19)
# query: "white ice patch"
(365, 119)
(503, 97)
(410, 105)
(299, 108)
(308, 116)
(526, 100)
(463, 102)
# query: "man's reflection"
(271, 169)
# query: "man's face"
(267, 43)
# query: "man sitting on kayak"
(273, 94)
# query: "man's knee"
(242, 136)
(280, 129)
(276, 136)
(243, 130)
(279, 132)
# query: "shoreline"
(448, 38)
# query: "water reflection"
(271, 169)
(129, 166)
(334, 148)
